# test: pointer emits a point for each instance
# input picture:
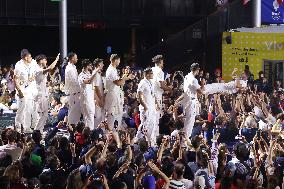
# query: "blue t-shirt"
(63, 112)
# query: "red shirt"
(137, 120)
(79, 138)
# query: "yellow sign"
(240, 49)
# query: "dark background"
(191, 29)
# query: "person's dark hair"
(33, 183)
(70, 55)
(227, 180)
(203, 157)
(143, 145)
(63, 143)
(4, 182)
(168, 168)
(159, 139)
(179, 169)
(260, 73)
(112, 147)
(80, 126)
(6, 160)
(52, 162)
(204, 114)
(132, 133)
(56, 98)
(74, 180)
(24, 53)
(97, 62)
(218, 120)
(241, 152)
(86, 62)
(114, 57)
(36, 135)
(96, 184)
(45, 180)
(40, 57)
(111, 160)
(11, 135)
(86, 133)
(194, 67)
(196, 141)
(117, 184)
(272, 182)
(157, 59)
(139, 159)
(147, 71)
(179, 124)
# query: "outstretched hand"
(52, 66)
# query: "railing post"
(63, 28)
(256, 13)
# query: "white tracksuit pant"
(42, 110)
(148, 125)
(74, 111)
(159, 112)
(26, 114)
(88, 109)
(114, 108)
(190, 114)
(99, 115)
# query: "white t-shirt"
(41, 80)
(86, 89)
(158, 75)
(24, 73)
(98, 82)
(71, 79)
(147, 88)
(191, 85)
(111, 76)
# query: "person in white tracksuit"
(114, 95)
(86, 78)
(24, 78)
(191, 88)
(99, 93)
(159, 86)
(147, 108)
(42, 97)
(72, 89)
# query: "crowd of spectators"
(237, 142)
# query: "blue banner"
(272, 12)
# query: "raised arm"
(89, 154)
(126, 76)
(52, 66)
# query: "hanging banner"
(272, 12)
(250, 49)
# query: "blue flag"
(272, 12)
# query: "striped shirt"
(175, 184)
